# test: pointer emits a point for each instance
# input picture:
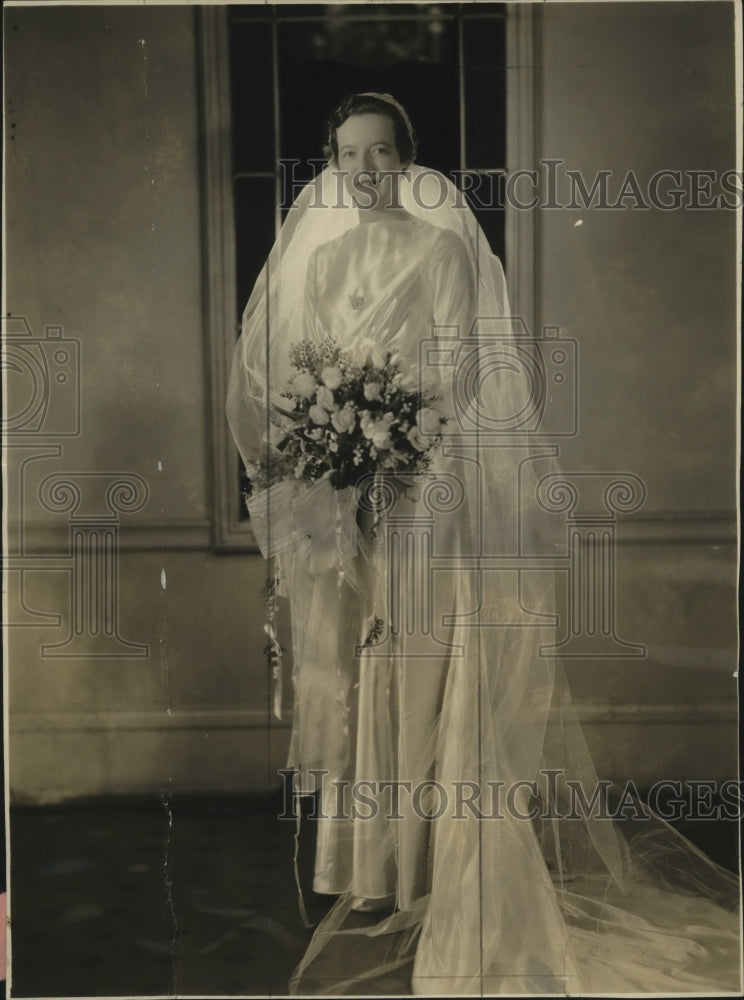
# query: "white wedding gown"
(479, 907)
(373, 718)
(454, 690)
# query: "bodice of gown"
(387, 282)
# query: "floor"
(190, 897)
(141, 898)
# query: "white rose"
(378, 358)
(343, 420)
(381, 438)
(305, 384)
(366, 423)
(380, 432)
(428, 420)
(324, 396)
(414, 436)
(318, 415)
(332, 377)
(371, 390)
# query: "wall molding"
(201, 719)
(44, 538)
(61, 757)
(667, 714)
(41, 538)
(250, 718)
(665, 528)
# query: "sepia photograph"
(370, 453)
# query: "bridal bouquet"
(342, 416)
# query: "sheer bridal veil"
(538, 880)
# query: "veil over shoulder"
(465, 867)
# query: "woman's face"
(366, 152)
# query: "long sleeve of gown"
(309, 317)
(453, 283)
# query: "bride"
(428, 713)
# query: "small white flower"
(316, 434)
(318, 415)
(324, 397)
(428, 420)
(305, 384)
(332, 377)
(371, 390)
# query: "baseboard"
(66, 756)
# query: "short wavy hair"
(372, 104)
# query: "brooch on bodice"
(356, 302)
